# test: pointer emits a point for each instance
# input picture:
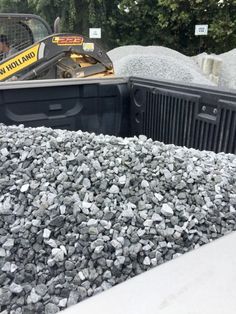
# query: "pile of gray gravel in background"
(225, 67)
(81, 213)
(156, 62)
(228, 72)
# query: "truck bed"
(192, 116)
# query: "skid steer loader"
(40, 54)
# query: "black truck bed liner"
(186, 115)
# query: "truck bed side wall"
(191, 116)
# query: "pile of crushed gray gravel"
(156, 62)
(228, 71)
(226, 67)
(80, 213)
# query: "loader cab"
(22, 30)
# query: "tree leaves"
(146, 22)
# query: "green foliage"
(145, 22)
(7, 6)
(178, 19)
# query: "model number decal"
(68, 40)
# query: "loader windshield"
(22, 30)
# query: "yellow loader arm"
(68, 54)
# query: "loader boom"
(57, 51)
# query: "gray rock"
(5, 296)
(8, 245)
(41, 289)
(158, 255)
(86, 183)
(82, 292)
(99, 210)
(51, 308)
(69, 265)
(73, 298)
(57, 221)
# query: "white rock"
(98, 249)
(147, 261)
(166, 210)
(51, 262)
(49, 160)
(51, 243)
(114, 189)
(81, 275)
(14, 267)
(62, 209)
(8, 244)
(143, 214)
(58, 255)
(46, 233)
(63, 248)
(33, 297)
(92, 222)
(2, 252)
(156, 217)
(144, 184)
(158, 196)
(36, 222)
(86, 205)
(128, 213)
(140, 232)
(122, 180)
(62, 302)
(116, 244)
(86, 183)
(148, 223)
(6, 267)
(24, 188)
(4, 152)
(120, 259)
(14, 288)
(94, 209)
